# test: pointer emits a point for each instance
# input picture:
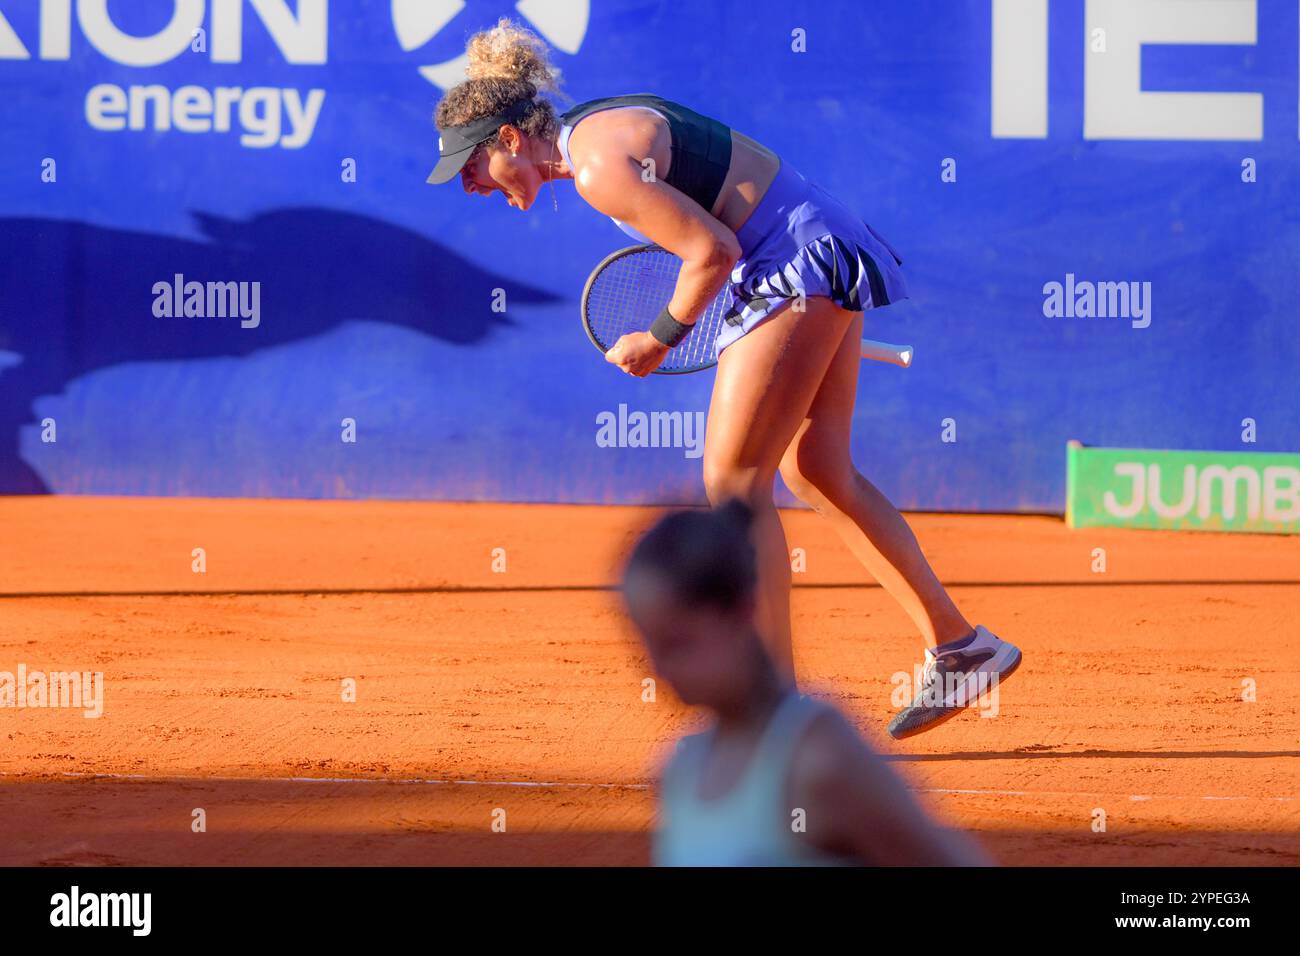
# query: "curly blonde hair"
(507, 63)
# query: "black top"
(701, 147)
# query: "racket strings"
(630, 292)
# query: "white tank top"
(751, 825)
(567, 131)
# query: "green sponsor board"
(1182, 490)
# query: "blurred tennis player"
(778, 779)
(802, 269)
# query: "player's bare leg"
(962, 664)
(765, 384)
(818, 468)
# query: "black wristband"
(667, 330)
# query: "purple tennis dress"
(799, 239)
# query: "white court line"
(394, 780)
(1087, 793)
(570, 785)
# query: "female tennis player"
(801, 268)
(779, 779)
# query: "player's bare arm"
(612, 179)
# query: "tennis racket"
(631, 286)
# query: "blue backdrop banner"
(1094, 201)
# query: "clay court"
(522, 691)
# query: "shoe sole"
(947, 714)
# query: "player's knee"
(820, 481)
(801, 486)
(724, 480)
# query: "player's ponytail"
(706, 557)
(738, 514)
(511, 52)
(506, 64)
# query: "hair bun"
(510, 51)
(737, 513)
(707, 556)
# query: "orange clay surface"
(522, 691)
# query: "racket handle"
(884, 352)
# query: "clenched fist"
(637, 353)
